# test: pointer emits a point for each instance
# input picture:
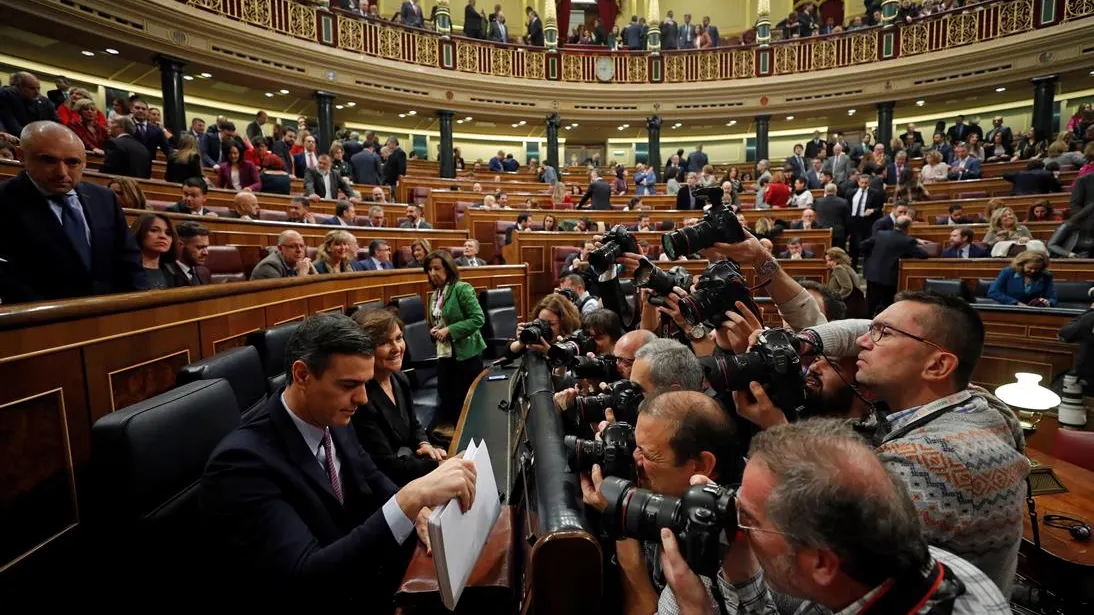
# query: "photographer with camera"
(828, 528)
(678, 434)
(555, 316)
(582, 299)
(935, 422)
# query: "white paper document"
(457, 537)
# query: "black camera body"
(615, 243)
(604, 368)
(773, 362)
(717, 291)
(564, 352)
(718, 225)
(623, 397)
(614, 451)
(569, 293)
(697, 519)
(533, 331)
(649, 275)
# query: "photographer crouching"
(824, 527)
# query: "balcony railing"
(381, 39)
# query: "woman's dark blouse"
(383, 427)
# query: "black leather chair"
(501, 319)
(270, 344)
(367, 305)
(420, 361)
(146, 463)
(1073, 295)
(948, 287)
(983, 285)
(241, 367)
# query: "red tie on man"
(335, 484)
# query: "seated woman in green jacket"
(455, 321)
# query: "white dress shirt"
(401, 526)
(859, 208)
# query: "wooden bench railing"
(940, 234)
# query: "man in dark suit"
(379, 256)
(469, 258)
(632, 34)
(813, 146)
(685, 198)
(895, 168)
(916, 136)
(883, 253)
(22, 103)
(472, 21)
(599, 192)
(62, 238)
(835, 213)
(866, 207)
(294, 501)
(150, 135)
(797, 162)
(499, 32)
(961, 245)
(1034, 180)
(195, 193)
(366, 167)
(959, 131)
(1082, 193)
(712, 31)
(322, 182)
(122, 153)
(886, 223)
(414, 218)
(524, 223)
(697, 160)
(535, 30)
(412, 14)
(254, 129)
(59, 95)
(190, 269)
(395, 166)
(344, 215)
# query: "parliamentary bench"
(446, 206)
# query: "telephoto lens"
(622, 397)
(773, 362)
(614, 452)
(615, 243)
(697, 518)
(649, 275)
(718, 225)
(718, 290)
(604, 368)
(534, 331)
(565, 351)
(569, 293)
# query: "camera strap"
(927, 413)
(907, 595)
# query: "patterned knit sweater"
(963, 466)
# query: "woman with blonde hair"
(1004, 231)
(129, 193)
(68, 112)
(335, 256)
(419, 248)
(185, 162)
(85, 124)
(338, 160)
(1026, 281)
(934, 169)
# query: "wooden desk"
(940, 234)
(441, 205)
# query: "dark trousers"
(454, 380)
(859, 232)
(878, 297)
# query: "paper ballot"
(457, 537)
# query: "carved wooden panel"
(286, 311)
(327, 302)
(229, 330)
(140, 381)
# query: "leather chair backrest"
(270, 344)
(311, 251)
(1072, 292)
(455, 251)
(226, 264)
(160, 205)
(219, 210)
(982, 286)
(501, 313)
(932, 248)
(275, 215)
(951, 288)
(421, 195)
(362, 254)
(402, 257)
(1075, 447)
(367, 305)
(419, 345)
(241, 367)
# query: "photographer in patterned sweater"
(957, 448)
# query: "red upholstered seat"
(226, 264)
(160, 205)
(558, 257)
(274, 215)
(1075, 447)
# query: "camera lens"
(605, 368)
(582, 454)
(637, 513)
(534, 331)
(562, 353)
(734, 372)
(591, 407)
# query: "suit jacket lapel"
(354, 486)
(41, 214)
(298, 451)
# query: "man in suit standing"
(916, 136)
(697, 160)
(499, 32)
(814, 145)
(295, 502)
(62, 238)
(961, 245)
(414, 218)
(123, 154)
(1034, 180)
(366, 167)
(1082, 193)
(685, 198)
(686, 33)
(149, 134)
(998, 126)
(632, 34)
(322, 182)
(412, 14)
(835, 213)
(379, 256)
(816, 178)
(21, 103)
(59, 95)
(344, 215)
(191, 269)
(469, 258)
(307, 159)
(959, 131)
(395, 166)
(886, 223)
(712, 31)
(797, 162)
(964, 166)
(883, 253)
(866, 206)
(839, 164)
(892, 174)
(535, 30)
(669, 32)
(472, 21)
(599, 192)
(254, 129)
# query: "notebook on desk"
(457, 537)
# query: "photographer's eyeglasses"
(879, 329)
(750, 528)
(625, 361)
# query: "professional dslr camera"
(697, 518)
(604, 368)
(649, 275)
(719, 225)
(717, 291)
(569, 293)
(622, 397)
(616, 242)
(534, 331)
(565, 351)
(773, 362)
(614, 452)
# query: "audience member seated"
(414, 218)
(334, 255)
(1075, 237)
(155, 236)
(289, 260)
(345, 214)
(235, 173)
(193, 250)
(957, 215)
(300, 211)
(185, 162)
(322, 182)
(244, 207)
(419, 248)
(387, 425)
(1040, 211)
(194, 194)
(962, 246)
(469, 258)
(128, 192)
(123, 154)
(801, 196)
(273, 178)
(62, 237)
(934, 168)
(964, 165)
(1004, 231)
(375, 217)
(795, 250)
(1027, 281)
(379, 256)
(808, 221)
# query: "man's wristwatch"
(698, 332)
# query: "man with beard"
(827, 524)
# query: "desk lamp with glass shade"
(1028, 398)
